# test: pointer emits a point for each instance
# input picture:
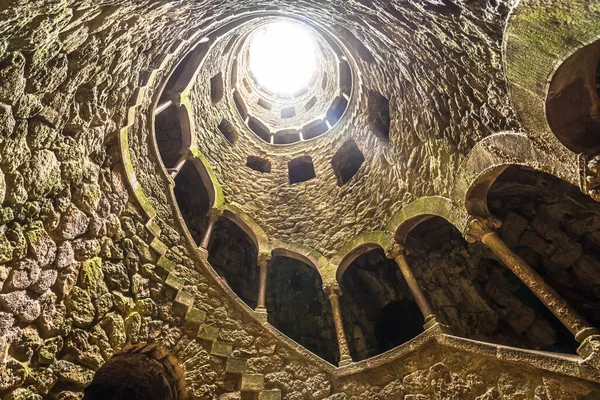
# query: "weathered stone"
(23, 307)
(12, 70)
(42, 247)
(41, 174)
(45, 282)
(80, 307)
(41, 135)
(13, 146)
(71, 373)
(43, 380)
(12, 374)
(114, 326)
(23, 275)
(50, 349)
(74, 223)
(91, 278)
(87, 197)
(52, 318)
(15, 188)
(65, 256)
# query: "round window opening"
(283, 57)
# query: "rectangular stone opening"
(301, 169)
(240, 104)
(265, 104)
(310, 104)
(259, 164)
(345, 77)
(286, 136)
(216, 88)
(314, 129)
(259, 129)
(336, 110)
(379, 115)
(228, 130)
(288, 112)
(346, 162)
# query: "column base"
(585, 333)
(432, 323)
(589, 350)
(261, 314)
(345, 360)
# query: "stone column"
(263, 262)
(173, 172)
(334, 292)
(213, 217)
(399, 253)
(482, 229)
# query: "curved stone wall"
(95, 256)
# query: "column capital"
(478, 227)
(264, 258)
(332, 289)
(214, 213)
(396, 250)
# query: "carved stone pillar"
(213, 217)
(334, 292)
(263, 263)
(173, 172)
(482, 229)
(399, 253)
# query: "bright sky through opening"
(283, 57)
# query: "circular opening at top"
(283, 57)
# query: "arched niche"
(145, 372)
(573, 104)
(233, 255)
(555, 228)
(193, 199)
(475, 295)
(378, 309)
(298, 307)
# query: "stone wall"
(83, 274)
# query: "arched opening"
(476, 296)
(379, 312)
(398, 322)
(193, 200)
(573, 104)
(298, 306)
(233, 255)
(144, 373)
(555, 228)
(168, 136)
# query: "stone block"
(273, 394)
(221, 349)
(252, 382)
(236, 365)
(208, 332)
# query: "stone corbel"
(479, 227)
(590, 175)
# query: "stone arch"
(424, 208)
(301, 253)
(249, 226)
(486, 161)
(354, 248)
(565, 30)
(143, 371)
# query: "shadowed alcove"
(147, 372)
(193, 200)
(475, 295)
(298, 306)
(555, 228)
(233, 255)
(378, 310)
